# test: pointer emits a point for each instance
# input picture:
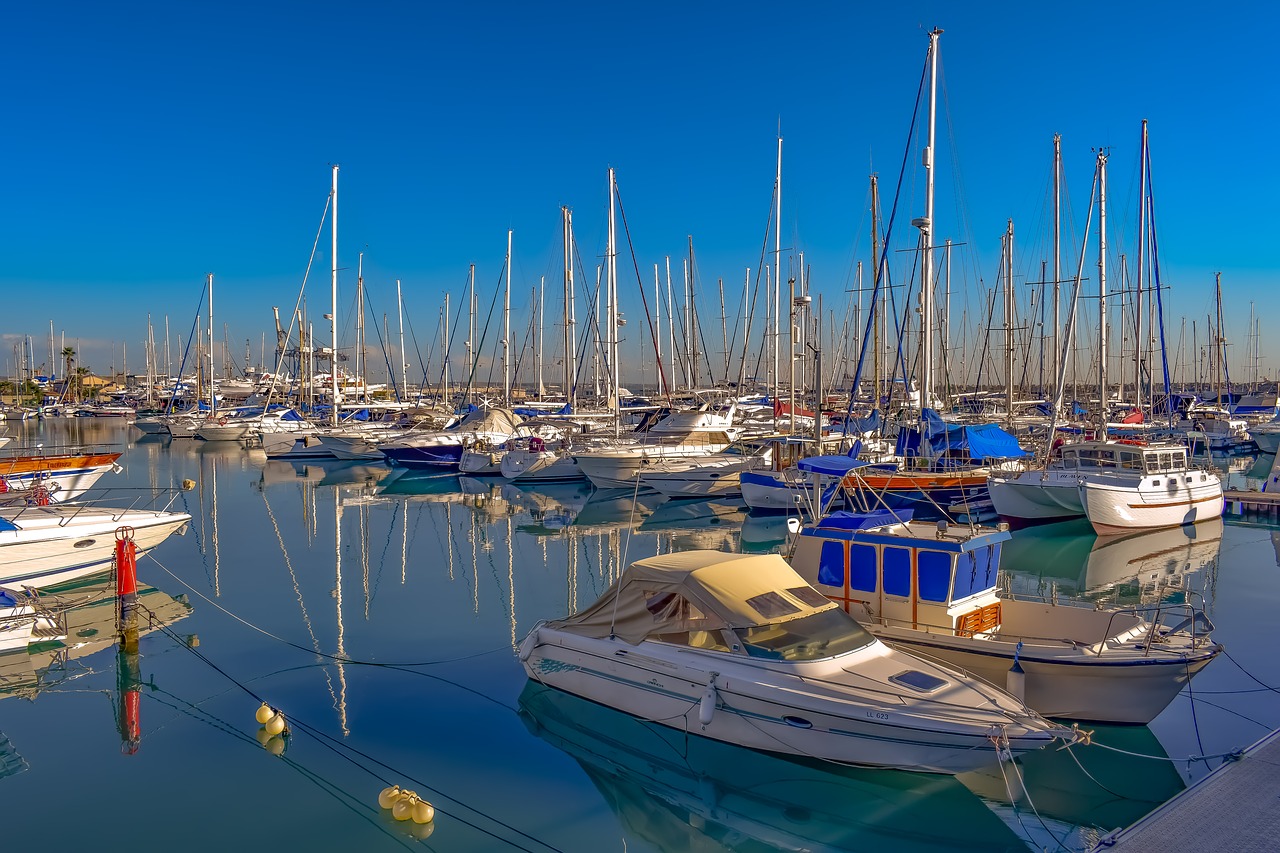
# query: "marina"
(804, 501)
(382, 611)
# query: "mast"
(361, 366)
(1102, 294)
(542, 292)
(879, 330)
(1054, 366)
(777, 286)
(471, 331)
(925, 224)
(1143, 225)
(1008, 325)
(506, 330)
(404, 362)
(612, 273)
(213, 398)
(333, 316)
(570, 339)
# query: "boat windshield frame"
(825, 634)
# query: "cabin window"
(1131, 460)
(666, 606)
(862, 568)
(976, 571)
(831, 564)
(897, 571)
(933, 575)
(808, 595)
(771, 605)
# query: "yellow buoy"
(422, 831)
(423, 812)
(388, 797)
(275, 746)
(264, 713)
(403, 808)
(263, 736)
(275, 725)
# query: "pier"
(1266, 505)
(1236, 807)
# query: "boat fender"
(707, 707)
(526, 648)
(1015, 682)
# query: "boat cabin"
(1125, 454)
(929, 576)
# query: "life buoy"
(480, 446)
(222, 421)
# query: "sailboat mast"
(404, 361)
(777, 287)
(1008, 325)
(1143, 225)
(360, 354)
(925, 225)
(506, 330)
(570, 339)
(1102, 294)
(213, 398)
(612, 273)
(1054, 366)
(333, 316)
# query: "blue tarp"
(831, 466)
(983, 441)
(845, 520)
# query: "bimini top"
(697, 591)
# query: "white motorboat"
(443, 448)
(740, 649)
(714, 475)
(1149, 486)
(1055, 492)
(51, 476)
(678, 435)
(931, 589)
(41, 546)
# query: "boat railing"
(140, 499)
(1164, 620)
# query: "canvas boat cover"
(697, 591)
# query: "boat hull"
(1119, 507)
(46, 554)
(741, 711)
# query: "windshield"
(818, 635)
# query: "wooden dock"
(1236, 808)
(1263, 504)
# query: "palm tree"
(81, 373)
(68, 356)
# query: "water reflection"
(1142, 568)
(673, 792)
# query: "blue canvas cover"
(830, 465)
(845, 520)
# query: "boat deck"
(1233, 808)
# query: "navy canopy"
(845, 520)
(831, 466)
(983, 441)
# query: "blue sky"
(148, 144)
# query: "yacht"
(738, 648)
(932, 589)
(42, 546)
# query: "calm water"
(427, 584)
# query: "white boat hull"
(1037, 496)
(44, 553)
(1163, 501)
(831, 723)
(527, 466)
